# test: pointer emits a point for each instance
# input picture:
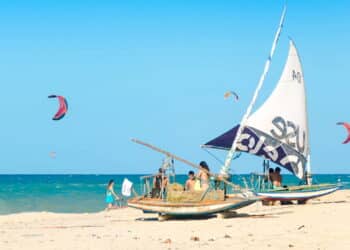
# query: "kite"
(229, 93)
(63, 107)
(347, 127)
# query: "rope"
(214, 156)
(242, 179)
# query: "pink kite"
(63, 107)
(347, 127)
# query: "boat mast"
(226, 167)
(308, 176)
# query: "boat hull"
(188, 209)
(298, 195)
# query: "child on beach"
(111, 196)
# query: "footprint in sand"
(167, 241)
(195, 238)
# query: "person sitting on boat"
(190, 183)
(111, 196)
(203, 175)
(277, 181)
(160, 182)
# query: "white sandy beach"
(321, 224)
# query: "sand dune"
(321, 224)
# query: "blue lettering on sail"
(278, 147)
(292, 138)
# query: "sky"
(157, 71)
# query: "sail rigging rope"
(240, 178)
(214, 156)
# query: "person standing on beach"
(111, 196)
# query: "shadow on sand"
(183, 218)
(228, 215)
(328, 202)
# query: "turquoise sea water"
(86, 193)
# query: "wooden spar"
(226, 167)
(182, 160)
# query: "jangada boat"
(278, 131)
(176, 202)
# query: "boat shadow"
(178, 218)
(328, 202)
(220, 216)
(260, 216)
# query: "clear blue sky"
(157, 70)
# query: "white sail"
(283, 116)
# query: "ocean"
(86, 193)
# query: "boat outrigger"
(277, 131)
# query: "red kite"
(63, 108)
(347, 127)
